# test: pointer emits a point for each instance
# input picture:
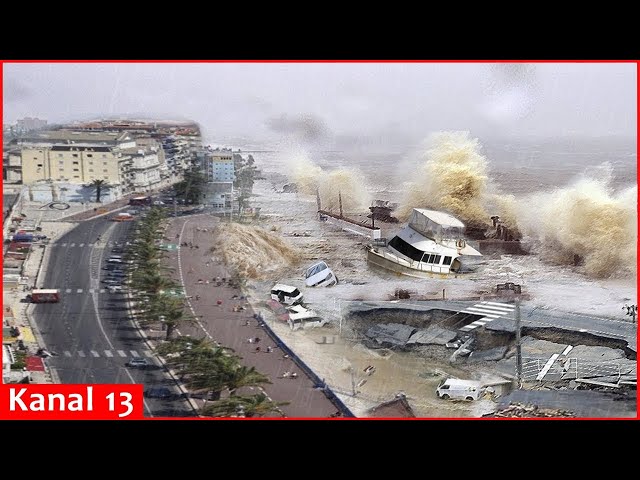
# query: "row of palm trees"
(205, 368)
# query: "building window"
(76, 176)
(39, 164)
(105, 171)
(60, 155)
(90, 163)
(76, 169)
(61, 162)
(104, 155)
(104, 163)
(91, 169)
(89, 154)
(437, 259)
(75, 163)
(35, 158)
(106, 177)
(75, 155)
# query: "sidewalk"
(232, 323)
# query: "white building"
(219, 170)
(7, 360)
(144, 169)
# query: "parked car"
(138, 363)
(162, 393)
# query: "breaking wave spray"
(453, 178)
(347, 183)
(588, 219)
(253, 252)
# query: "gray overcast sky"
(316, 102)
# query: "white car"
(286, 294)
(301, 317)
(320, 275)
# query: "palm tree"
(99, 185)
(258, 405)
(244, 377)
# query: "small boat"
(431, 245)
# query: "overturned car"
(320, 275)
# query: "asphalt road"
(531, 315)
(89, 329)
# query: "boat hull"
(377, 259)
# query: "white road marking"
(134, 353)
(547, 366)
(72, 245)
(63, 245)
(102, 290)
(108, 353)
(567, 350)
(489, 308)
(68, 290)
(95, 354)
(67, 353)
(478, 323)
(81, 354)
(121, 353)
(81, 245)
(479, 313)
(79, 290)
(91, 290)
(90, 244)
(148, 353)
(501, 304)
(466, 328)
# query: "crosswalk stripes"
(72, 245)
(110, 353)
(79, 290)
(489, 311)
(102, 290)
(68, 290)
(81, 245)
(92, 290)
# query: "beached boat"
(431, 245)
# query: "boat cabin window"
(437, 259)
(447, 261)
(406, 249)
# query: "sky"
(336, 104)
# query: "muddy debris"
(519, 410)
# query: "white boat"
(431, 245)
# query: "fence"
(570, 369)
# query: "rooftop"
(68, 136)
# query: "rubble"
(520, 410)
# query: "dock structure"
(350, 225)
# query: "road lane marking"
(567, 350)
(81, 354)
(148, 353)
(108, 353)
(121, 353)
(489, 308)
(479, 313)
(91, 290)
(547, 366)
(67, 353)
(95, 354)
(102, 290)
(81, 245)
(500, 304)
(72, 244)
(68, 290)
(79, 290)
(134, 353)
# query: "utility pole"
(518, 347)
(340, 202)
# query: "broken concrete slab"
(432, 335)
(392, 334)
(493, 354)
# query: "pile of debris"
(520, 410)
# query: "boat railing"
(414, 264)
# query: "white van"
(320, 275)
(453, 388)
(286, 294)
(300, 318)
